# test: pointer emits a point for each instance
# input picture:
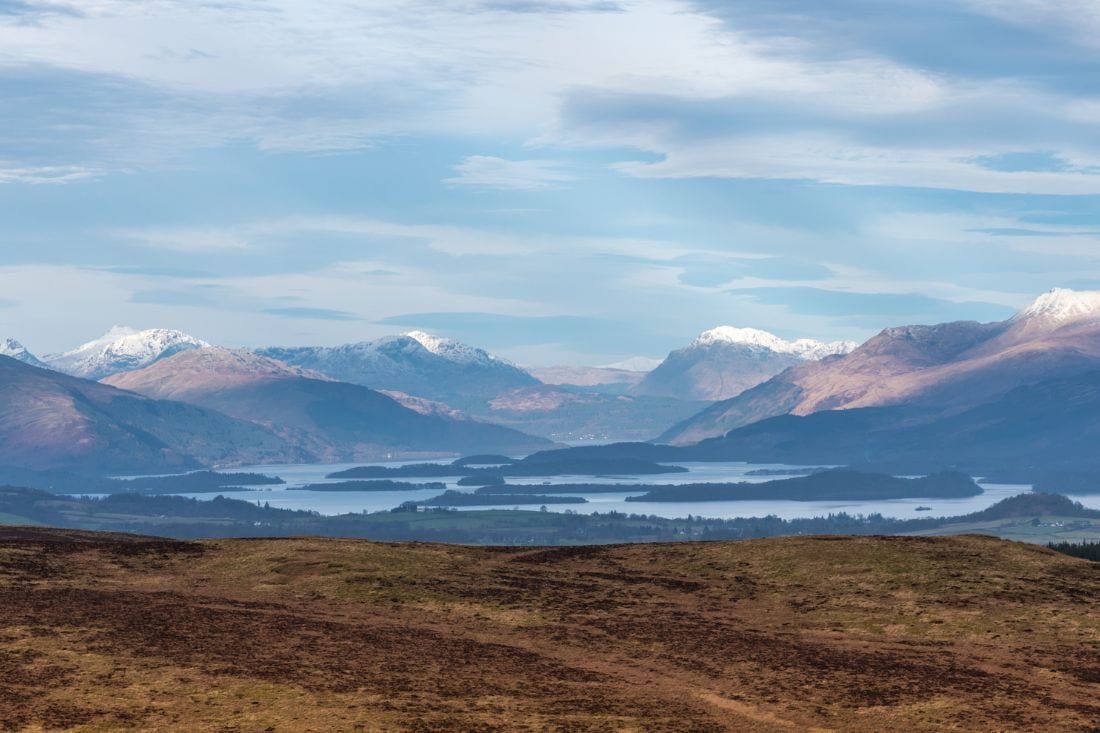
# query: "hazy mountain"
(335, 420)
(565, 413)
(50, 420)
(635, 364)
(17, 351)
(596, 379)
(415, 363)
(947, 368)
(122, 349)
(725, 361)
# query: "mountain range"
(331, 419)
(415, 363)
(1019, 392)
(442, 377)
(583, 403)
(946, 368)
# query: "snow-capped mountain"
(415, 363)
(450, 349)
(947, 367)
(725, 361)
(16, 350)
(122, 349)
(1061, 305)
(757, 339)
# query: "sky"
(558, 181)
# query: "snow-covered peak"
(122, 349)
(1060, 305)
(17, 351)
(448, 348)
(758, 339)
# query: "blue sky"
(558, 181)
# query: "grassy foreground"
(105, 632)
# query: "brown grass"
(850, 634)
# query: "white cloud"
(832, 159)
(45, 174)
(185, 239)
(486, 171)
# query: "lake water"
(345, 502)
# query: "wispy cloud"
(487, 171)
(312, 314)
(45, 174)
(185, 239)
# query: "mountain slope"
(415, 363)
(122, 349)
(1042, 427)
(335, 420)
(725, 361)
(17, 351)
(946, 368)
(53, 421)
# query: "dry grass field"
(108, 632)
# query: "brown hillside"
(868, 634)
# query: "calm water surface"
(287, 497)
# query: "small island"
(526, 467)
(197, 482)
(839, 485)
(374, 485)
(460, 498)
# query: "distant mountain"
(1034, 429)
(725, 361)
(122, 349)
(945, 368)
(332, 419)
(441, 376)
(635, 364)
(575, 414)
(1033, 432)
(595, 379)
(16, 350)
(51, 421)
(415, 363)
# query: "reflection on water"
(287, 497)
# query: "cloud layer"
(620, 174)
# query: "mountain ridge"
(121, 349)
(951, 367)
(333, 419)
